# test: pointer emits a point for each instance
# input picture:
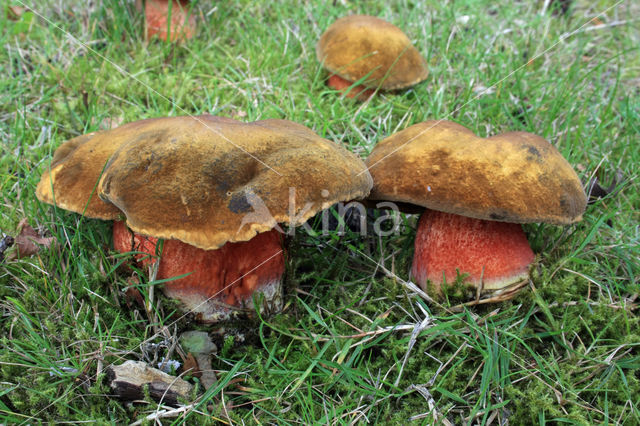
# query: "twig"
(408, 284)
(584, 29)
(426, 322)
(431, 403)
(174, 412)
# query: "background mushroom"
(169, 20)
(206, 183)
(366, 49)
(476, 185)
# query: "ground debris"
(200, 349)
(6, 242)
(14, 13)
(129, 379)
(595, 191)
(28, 242)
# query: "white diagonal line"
(226, 287)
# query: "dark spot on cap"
(239, 203)
(532, 153)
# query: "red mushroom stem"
(344, 87)
(181, 26)
(219, 281)
(493, 254)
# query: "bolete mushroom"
(369, 50)
(215, 189)
(477, 191)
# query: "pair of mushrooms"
(356, 48)
(215, 189)
(478, 190)
(217, 204)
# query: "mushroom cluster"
(215, 189)
(477, 192)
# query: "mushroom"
(477, 191)
(216, 190)
(170, 20)
(371, 52)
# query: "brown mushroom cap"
(76, 168)
(360, 46)
(513, 177)
(184, 178)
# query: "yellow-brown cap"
(76, 167)
(360, 46)
(206, 180)
(513, 177)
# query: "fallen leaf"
(111, 122)
(133, 297)
(200, 347)
(208, 378)
(197, 342)
(595, 191)
(238, 114)
(28, 242)
(190, 366)
(15, 12)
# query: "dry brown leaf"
(15, 12)
(28, 242)
(133, 298)
(190, 366)
(111, 122)
(200, 348)
(208, 378)
(595, 191)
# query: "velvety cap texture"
(77, 165)
(512, 177)
(207, 180)
(360, 46)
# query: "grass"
(352, 344)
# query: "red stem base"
(495, 255)
(344, 86)
(221, 282)
(183, 22)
